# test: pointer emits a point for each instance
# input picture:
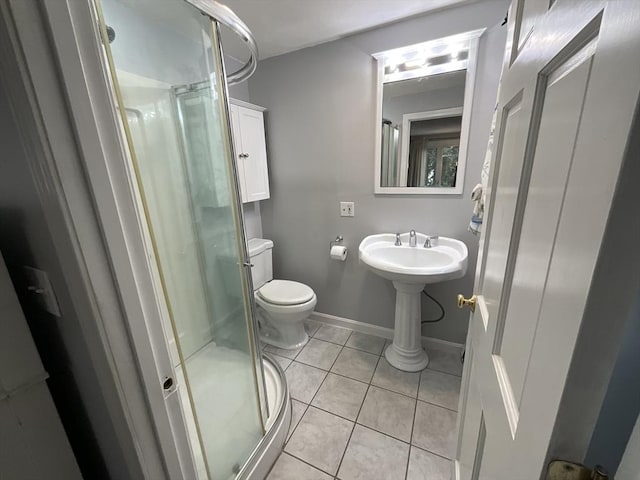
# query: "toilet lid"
(286, 292)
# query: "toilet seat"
(286, 292)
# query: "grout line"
(310, 464)
(433, 453)
(413, 426)
(357, 416)
(309, 405)
(441, 372)
(355, 422)
(289, 435)
(436, 405)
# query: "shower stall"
(168, 79)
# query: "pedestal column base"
(406, 352)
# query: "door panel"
(558, 128)
(564, 121)
(511, 144)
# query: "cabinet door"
(254, 154)
(234, 112)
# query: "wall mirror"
(425, 94)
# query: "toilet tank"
(260, 255)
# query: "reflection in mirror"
(433, 152)
(423, 116)
(431, 158)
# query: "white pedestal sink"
(410, 269)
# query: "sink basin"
(410, 269)
(444, 261)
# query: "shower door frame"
(106, 179)
(62, 105)
(135, 215)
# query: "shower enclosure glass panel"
(167, 75)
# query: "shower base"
(204, 379)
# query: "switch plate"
(40, 287)
(347, 209)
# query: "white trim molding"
(383, 332)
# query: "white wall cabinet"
(247, 122)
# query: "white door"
(567, 99)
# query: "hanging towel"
(479, 193)
(475, 225)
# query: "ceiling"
(282, 26)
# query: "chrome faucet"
(412, 238)
(431, 241)
(398, 242)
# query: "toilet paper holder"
(338, 240)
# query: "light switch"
(40, 287)
(347, 209)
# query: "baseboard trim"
(383, 332)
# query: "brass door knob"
(468, 302)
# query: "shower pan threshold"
(270, 445)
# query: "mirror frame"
(474, 39)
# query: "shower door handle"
(248, 264)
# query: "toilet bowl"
(282, 305)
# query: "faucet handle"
(431, 241)
(398, 242)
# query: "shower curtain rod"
(223, 14)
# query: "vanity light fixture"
(428, 58)
(416, 63)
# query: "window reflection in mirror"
(423, 119)
(433, 152)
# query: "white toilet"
(283, 305)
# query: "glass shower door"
(167, 73)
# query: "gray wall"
(320, 135)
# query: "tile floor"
(357, 417)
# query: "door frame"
(79, 164)
(610, 294)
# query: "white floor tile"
(355, 364)
(333, 334)
(366, 343)
(439, 388)
(388, 412)
(374, 456)
(425, 465)
(391, 378)
(445, 360)
(340, 395)
(320, 439)
(318, 353)
(434, 429)
(290, 468)
(304, 381)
